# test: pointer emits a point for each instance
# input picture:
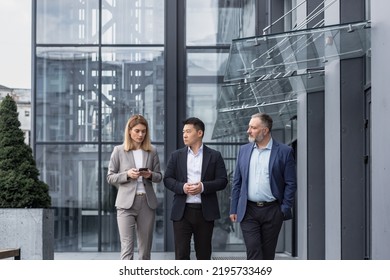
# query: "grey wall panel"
(314, 6)
(261, 16)
(276, 11)
(353, 197)
(352, 160)
(352, 10)
(315, 176)
(315, 164)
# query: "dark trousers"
(260, 229)
(194, 224)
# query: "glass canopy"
(268, 74)
(276, 97)
(257, 57)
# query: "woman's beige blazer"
(120, 162)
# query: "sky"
(15, 43)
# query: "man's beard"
(258, 139)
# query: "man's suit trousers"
(194, 224)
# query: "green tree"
(20, 186)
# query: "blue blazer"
(214, 178)
(282, 170)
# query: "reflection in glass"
(71, 173)
(204, 67)
(227, 235)
(133, 22)
(206, 62)
(214, 22)
(67, 22)
(67, 94)
(110, 235)
(202, 103)
(132, 83)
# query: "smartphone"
(143, 169)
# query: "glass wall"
(98, 62)
(95, 66)
(67, 21)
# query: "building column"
(380, 136)
(332, 149)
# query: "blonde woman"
(134, 167)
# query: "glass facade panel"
(71, 171)
(133, 22)
(227, 235)
(214, 22)
(67, 22)
(205, 68)
(67, 90)
(110, 235)
(202, 103)
(132, 83)
(207, 62)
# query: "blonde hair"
(128, 142)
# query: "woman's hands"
(145, 173)
(134, 173)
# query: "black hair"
(197, 123)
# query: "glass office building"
(306, 63)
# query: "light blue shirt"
(259, 188)
(194, 172)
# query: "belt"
(194, 205)
(262, 203)
(140, 193)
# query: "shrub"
(20, 186)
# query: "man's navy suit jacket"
(214, 178)
(282, 175)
